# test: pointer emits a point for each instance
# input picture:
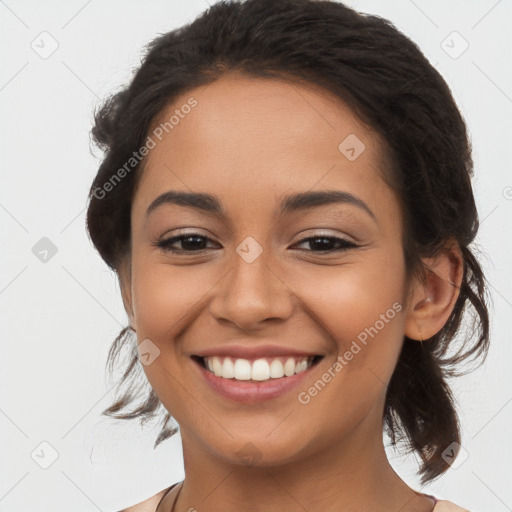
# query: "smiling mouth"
(256, 370)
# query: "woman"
(286, 200)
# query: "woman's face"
(247, 278)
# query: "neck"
(350, 473)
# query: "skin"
(250, 142)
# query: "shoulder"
(448, 506)
(148, 505)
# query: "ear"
(434, 297)
(125, 284)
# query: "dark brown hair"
(389, 84)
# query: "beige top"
(163, 498)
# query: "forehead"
(246, 136)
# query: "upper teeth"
(260, 369)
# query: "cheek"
(166, 301)
(352, 297)
(359, 307)
(362, 315)
(165, 298)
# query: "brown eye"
(325, 243)
(190, 243)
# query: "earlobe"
(434, 298)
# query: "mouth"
(251, 381)
(256, 370)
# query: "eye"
(191, 243)
(325, 243)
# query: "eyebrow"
(290, 204)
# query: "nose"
(251, 293)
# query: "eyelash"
(166, 243)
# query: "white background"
(59, 318)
